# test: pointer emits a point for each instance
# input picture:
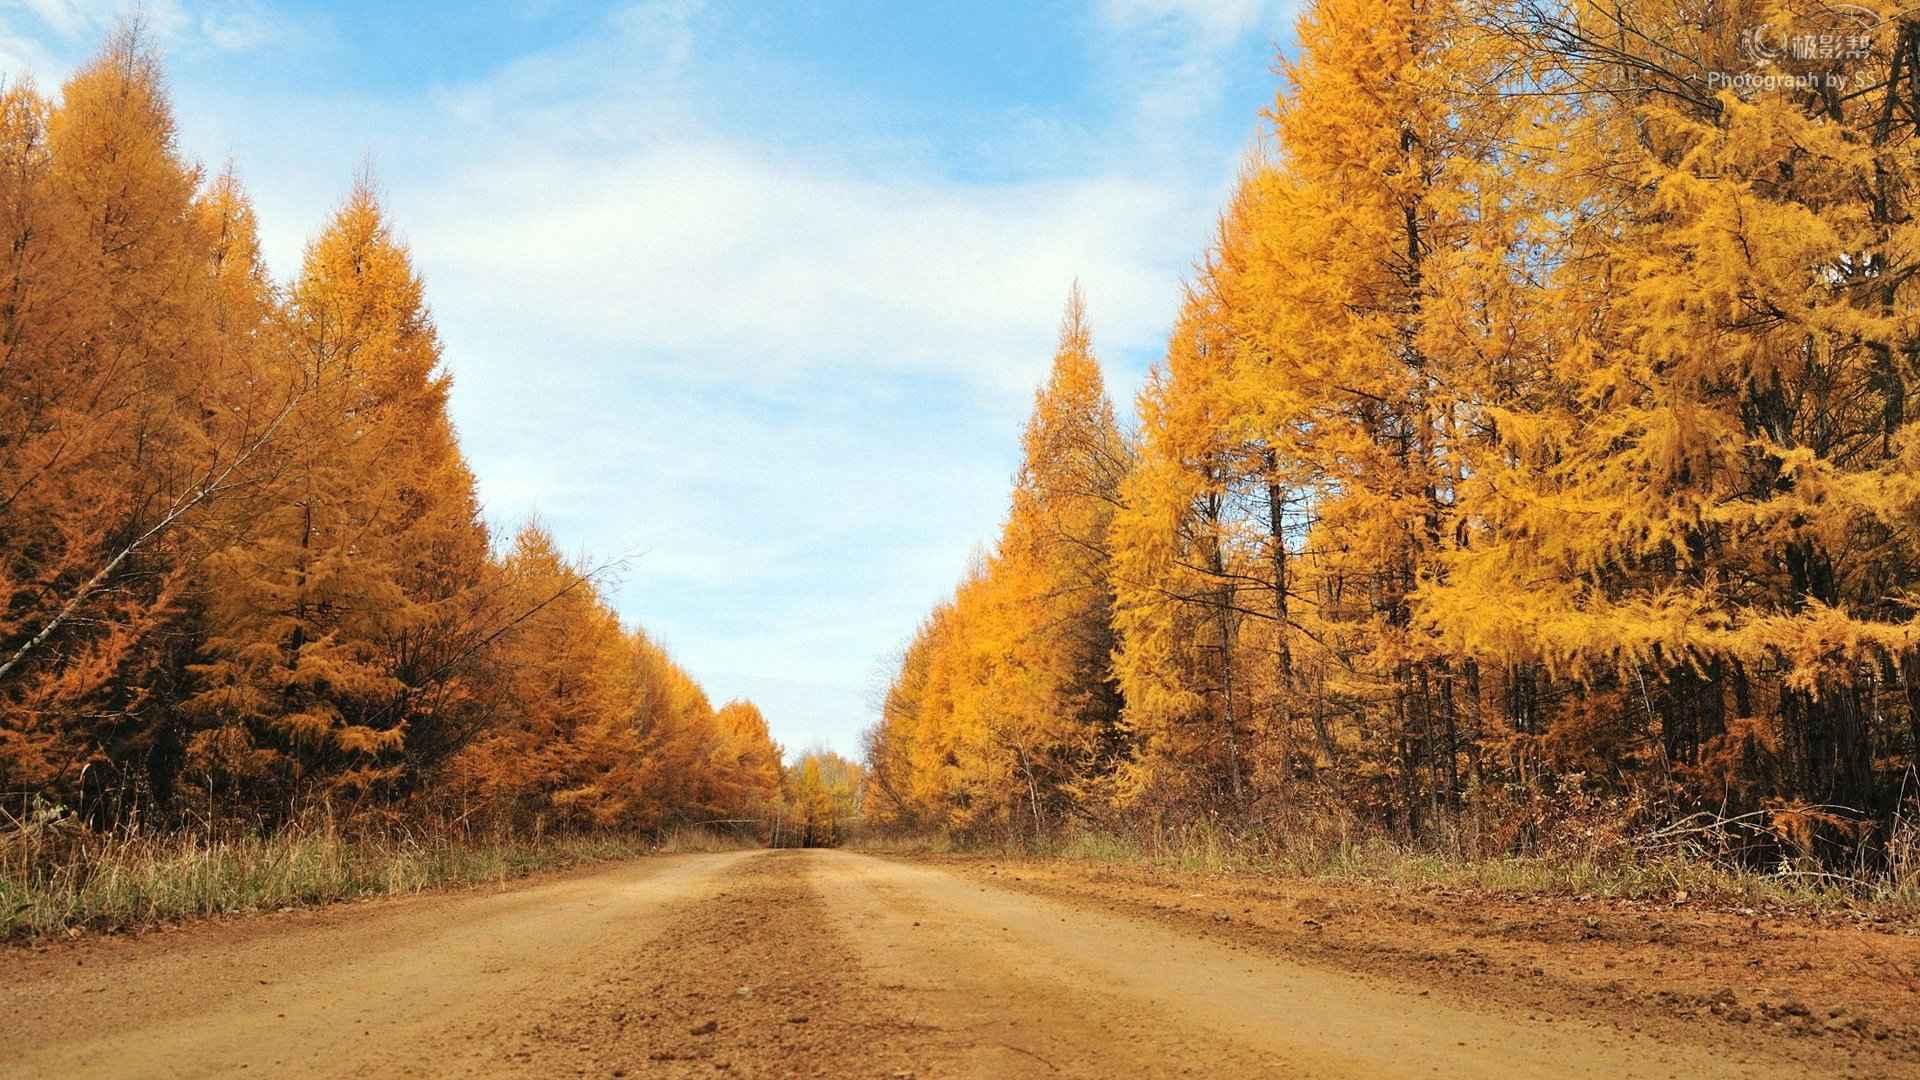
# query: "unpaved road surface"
(808, 963)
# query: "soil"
(1836, 992)
(831, 963)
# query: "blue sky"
(757, 291)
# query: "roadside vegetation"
(1524, 496)
(60, 875)
(56, 876)
(1683, 864)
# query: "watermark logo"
(1840, 33)
(1843, 32)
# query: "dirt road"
(788, 964)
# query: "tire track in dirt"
(992, 999)
(748, 981)
(1833, 995)
(1017, 985)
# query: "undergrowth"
(56, 876)
(1621, 869)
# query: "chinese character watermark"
(1845, 33)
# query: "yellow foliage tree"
(1006, 709)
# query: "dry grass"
(705, 838)
(57, 877)
(1340, 852)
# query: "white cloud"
(73, 19)
(1167, 54)
(68, 18)
(240, 26)
(721, 252)
(1217, 20)
(229, 25)
(664, 25)
(812, 715)
(22, 55)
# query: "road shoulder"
(1834, 993)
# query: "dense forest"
(1531, 460)
(243, 568)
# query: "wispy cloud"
(227, 25)
(243, 24)
(1218, 21)
(1167, 54)
(752, 263)
(22, 55)
(67, 18)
